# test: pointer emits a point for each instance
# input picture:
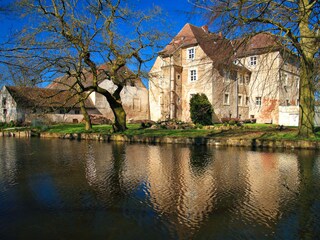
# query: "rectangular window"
(76, 111)
(247, 101)
(193, 75)
(226, 99)
(191, 53)
(253, 61)
(239, 100)
(4, 112)
(258, 101)
(62, 111)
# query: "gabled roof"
(219, 49)
(258, 44)
(124, 73)
(43, 97)
(216, 47)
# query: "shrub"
(232, 122)
(201, 109)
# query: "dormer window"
(253, 61)
(191, 53)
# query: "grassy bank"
(247, 131)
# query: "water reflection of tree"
(308, 195)
(115, 179)
(200, 157)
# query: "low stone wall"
(256, 143)
(19, 134)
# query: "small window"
(226, 99)
(76, 111)
(4, 112)
(253, 61)
(287, 102)
(62, 111)
(191, 53)
(258, 101)
(247, 101)
(193, 75)
(239, 100)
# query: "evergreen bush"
(201, 109)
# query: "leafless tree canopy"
(73, 38)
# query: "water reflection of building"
(8, 160)
(189, 185)
(272, 178)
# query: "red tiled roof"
(44, 97)
(65, 82)
(217, 48)
(221, 50)
(257, 44)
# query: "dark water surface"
(61, 189)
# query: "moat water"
(61, 189)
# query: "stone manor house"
(245, 79)
(242, 79)
(56, 103)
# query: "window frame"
(224, 98)
(240, 99)
(193, 74)
(258, 101)
(191, 53)
(253, 61)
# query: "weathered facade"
(241, 80)
(134, 95)
(24, 104)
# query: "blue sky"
(176, 14)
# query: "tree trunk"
(307, 100)
(86, 117)
(120, 117)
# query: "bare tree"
(74, 38)
(295, 22)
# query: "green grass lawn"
(258, 131)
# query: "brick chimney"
(205, 28)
